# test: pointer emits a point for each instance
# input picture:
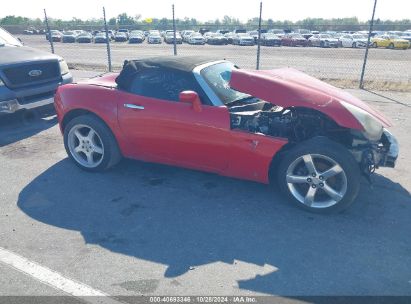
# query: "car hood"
(19, 54)
(287, 87)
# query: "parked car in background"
(243, 39)
(169, 38)
(84, 38)
(125, 31)
(390, 41)
(69, 37)
(154, 37)
(136, 36)
(294, 39)
(254, 34)
(222, 32)
(186, 34)
(304, 32)
(353, 41)
(28, 77)
(217, 39)
(206, 35)
(31, 30)
(275, 126)
(270, 39)
(280, 33)
(120, 37)
(229, 36)
(323, 40)
(196, 38)
(100, 37)
(56, 36)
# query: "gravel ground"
(386, 68)
(148, 229)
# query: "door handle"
(133, 106)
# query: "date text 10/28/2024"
(202, 299)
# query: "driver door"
(159, 128)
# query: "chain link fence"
(386, 69)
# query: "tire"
(102, 147)
(374, 45)
(322, 44)
(354, 45)
(296, 181)
(391, 46)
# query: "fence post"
(48, 31)
(367, 46)
(259, 37)
(174, 30)
(107, 41)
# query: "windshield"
(218, 77)
(7, 38)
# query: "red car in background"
(294, 39)
(280, 126)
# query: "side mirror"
(192, 98)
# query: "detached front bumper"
(390, 155)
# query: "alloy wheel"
(316, 181)
(86, 146)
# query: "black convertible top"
(184, 64)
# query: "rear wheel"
(91, 144)
(319, 175)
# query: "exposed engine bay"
(295, 124)
(298, 124)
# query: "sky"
(205, 10)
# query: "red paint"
(196, 136)
(288, 87)
(173, 133)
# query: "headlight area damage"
(296, 106)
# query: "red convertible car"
(279, 125)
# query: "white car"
(186, 34)
(323, 40)
(196, 38)
(154, 37)
(353, 41)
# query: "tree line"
(226, 23)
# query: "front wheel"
(91, 144)
(319, 175)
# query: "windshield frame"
(208, 89)
(8, 39)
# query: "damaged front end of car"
(304, 107)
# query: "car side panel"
(251, 155)
(96, 99)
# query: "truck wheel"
(319, 175)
